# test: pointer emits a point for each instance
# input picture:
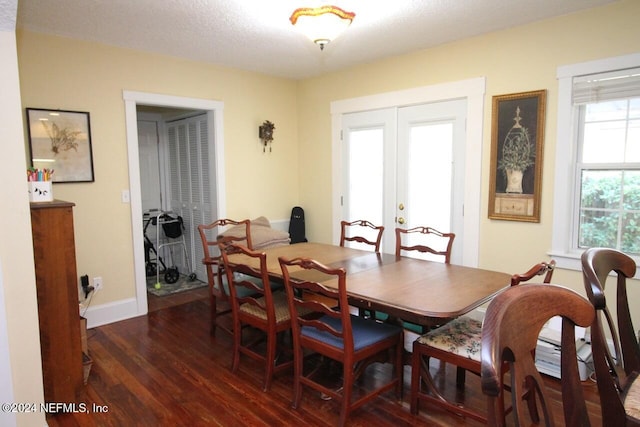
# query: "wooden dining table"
(419, 291)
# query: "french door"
(403, 167)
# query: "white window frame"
(564, 199)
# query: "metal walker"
(169, 233)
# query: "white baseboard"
(115, 311)
(112, 312)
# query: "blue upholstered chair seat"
(365, 332)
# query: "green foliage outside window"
(610, 210)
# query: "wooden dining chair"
(617, 371)
(332, 332)
(509, 337)
(457, 343)
(438, 243)
(255, 305)
(361, 231)
(211, 237)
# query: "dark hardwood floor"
(166, 369)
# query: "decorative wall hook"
(265, 132)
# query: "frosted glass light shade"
(321, 24)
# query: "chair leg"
(347, 389)
(415, 379)
(214, 313)
(270, 361)
(237, 342)
(399, 364)
(297, 373)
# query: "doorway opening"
(179, 200)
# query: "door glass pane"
(365, 177)
(429, 163)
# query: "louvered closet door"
(190, 185)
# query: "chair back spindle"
(367, 233)
(442, 246)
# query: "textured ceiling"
(8, 15)
(256, 35)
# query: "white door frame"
(215, 117)
(473, 90)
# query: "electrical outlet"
(97, 283)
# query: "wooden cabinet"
(57, 289)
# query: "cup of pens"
(40, 188)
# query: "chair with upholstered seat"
(255, 305)
(457, 343)
(361, 231)
(438, 243)
(332, 332)
(509, 337)
(211, 237)
(617, 372)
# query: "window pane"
(611, 110)
(365, 179)
(601, 189)
(634, 108)
(631, 233)
(429, 183)
(633, 142)
(631, 190)
(604, 142)
(598, 228)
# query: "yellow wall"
(69, 74)
(61, 73)
(516, 60)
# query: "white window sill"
(571, 261)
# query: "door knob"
(401, 206)
(401, 220)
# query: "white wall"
(20, 363)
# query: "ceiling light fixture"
(321, 24)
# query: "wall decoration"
(61, 141)
(265, 133)
(517, 138)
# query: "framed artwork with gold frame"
(517, 139)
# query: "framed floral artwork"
(61, 141)
(517, 138)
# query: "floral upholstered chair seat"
(632, 400)
(461, 336)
